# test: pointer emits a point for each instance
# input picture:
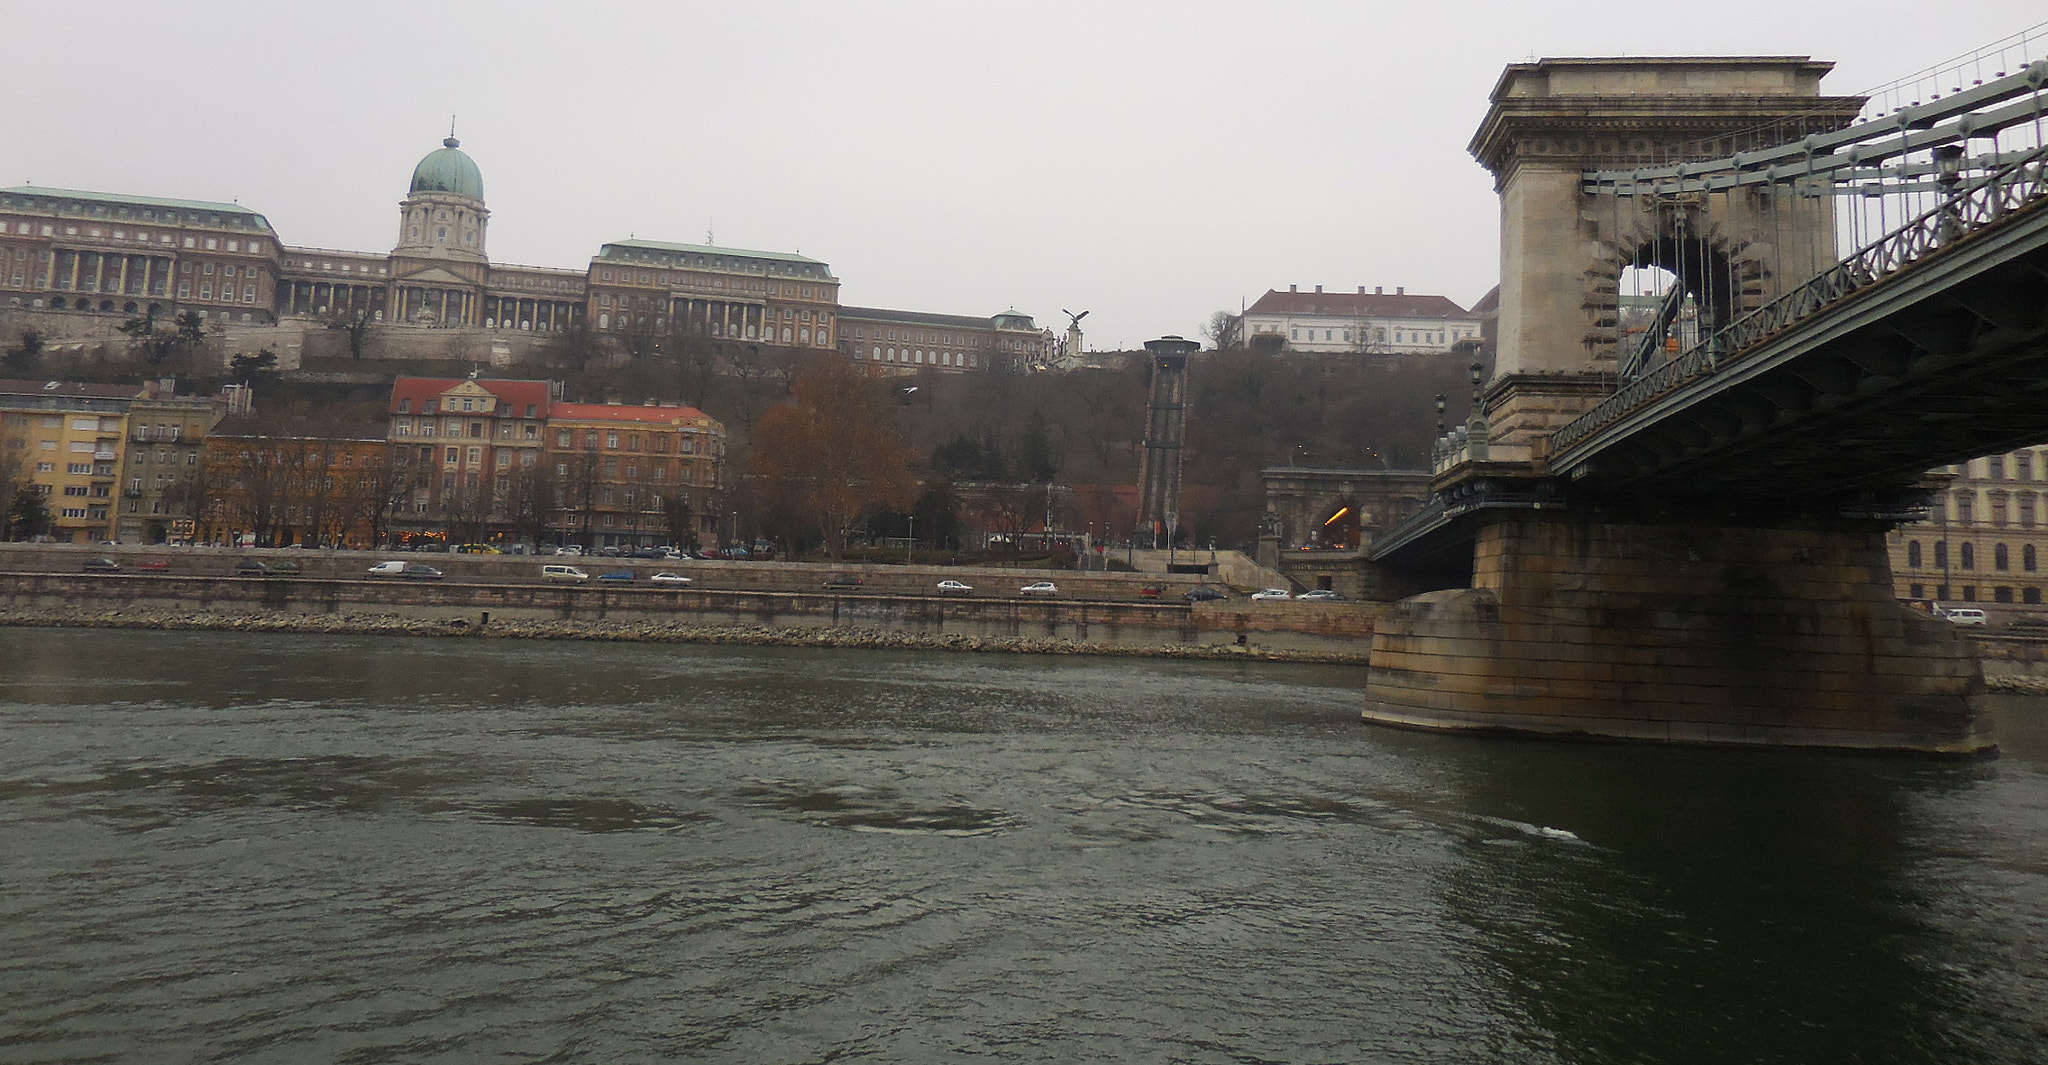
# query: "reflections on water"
(221, 848)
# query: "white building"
(1368, 322)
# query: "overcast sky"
(1151, 163)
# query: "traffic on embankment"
(987, 608)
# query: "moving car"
(563, 573)
(665, 577)
(1322, 595)
(1039, 588)
(616, 575)
(1205, 594)
(1151, 591)
(102, 565)
(1264, 594)
(252, 567)
(417, 571)
(1962, 615)
(954, 588)
(842, 581)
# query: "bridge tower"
(1682, 617)
(1562, 251)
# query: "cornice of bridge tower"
(1618, 113)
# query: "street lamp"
(910, 541)
(1441, 402)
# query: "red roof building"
(463, 450)
(635, 476)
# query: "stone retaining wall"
(1334, 629)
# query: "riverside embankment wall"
(1326, 628)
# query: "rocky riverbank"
(630, 632)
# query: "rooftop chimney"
(1378, 290)
(1361, 290)
(1400, 290)
(1292, 288)
(1319, 288)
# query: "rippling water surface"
(302, 849)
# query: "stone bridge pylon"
(1563, 251)
(1675, 618)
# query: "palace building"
(909, 341)
(96, 253)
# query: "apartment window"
(2028, 560)
(1969, 556)
(1966, 509)
(611, 440)
(1999, 559)
(1913, 554)
(1941, 556)
(2023, 466)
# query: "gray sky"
(1149, 162)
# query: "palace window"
(1969, 556)
(1999, 558)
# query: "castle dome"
(448, 169)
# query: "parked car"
(842, 581)
(1039, 588)
(572, 550)
(102, 565)
(665, 577)
(1205, 594)
(616, 575)
(417, 571)
(563, 573)
(1265, 594)
(954, 588)
(1322, 595)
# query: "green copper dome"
(449, 170)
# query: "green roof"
(447, 169)
(135, 201)
(705, 249)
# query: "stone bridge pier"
(1694, 618)
(1681, 631)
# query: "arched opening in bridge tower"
(1671, 293)
(1339, 529)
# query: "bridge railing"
(1983, 204)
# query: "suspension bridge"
(1665, 518)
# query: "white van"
(1962, 615)
(563, 573)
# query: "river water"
(224, 848)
